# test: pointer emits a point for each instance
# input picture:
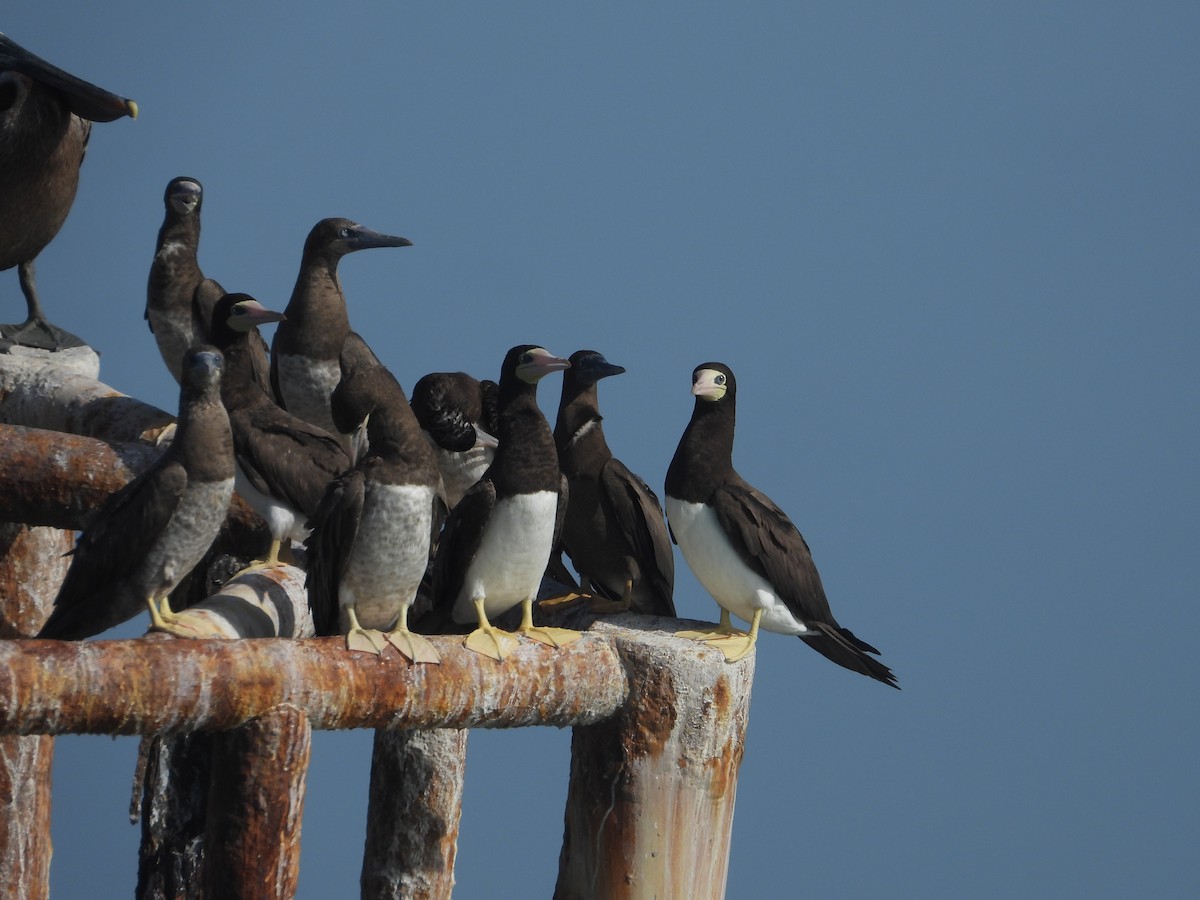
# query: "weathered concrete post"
(650, 804)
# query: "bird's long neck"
(317, 308)
(704, 456)
(526, 443)
(203, 438)
(578, 434)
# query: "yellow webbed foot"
(569, 600)
(551, 637)
(723, 629)
(733, 646)
(491, 642)
(365, 640)
(413, 647)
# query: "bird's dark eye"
(526, 358)
(720, 379)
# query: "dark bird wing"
(458, 544)
(290, 460)
(631, 503)
(335, 527)
(119, 536)
(767, 541)
(489, 397)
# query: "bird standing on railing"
(369, 547)
(458, 416)
(46, 118)
(314, 348)
(614, 530)
(149, 535)
(283, 462)
(742, 547)
(497, 541)
(179, 299)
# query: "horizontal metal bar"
(145, 686)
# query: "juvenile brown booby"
(498, 538)
(614, 530)
(179, 299)
(315, 347)
(46, 118)
(283, 463)
(458, 416)
(150, 534)
(742, 547)
(369, 546)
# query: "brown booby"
(150, 534)
(283, 463)
(46, 117)
(179, 298)
(369, 546)
(458, 415)
(614, 530)
(498, 538)
(742, 547)
(315, 347)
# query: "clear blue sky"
(950, 252)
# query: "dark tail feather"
(839, 645)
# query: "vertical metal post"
(32, 567)
(256, 800)
(650, 804)
(413, 814)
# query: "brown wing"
(334, 529)
(629, 501)
(458, 544)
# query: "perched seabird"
(498, 538)
(369, 546)
(179, 299)
(283, 463)
(614, 530)
(150, 534)
(46, 117)
(742, 547)
(315, 347)
(458, 415)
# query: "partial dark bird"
(150, 534)
(315, 347)
(283, 463)
(742, 547)
(458, 415)
(614, 530)
(46, 118)
(369, 546)
(179, 298)
(497, 540)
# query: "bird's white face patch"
(716, 565)
(709, 384)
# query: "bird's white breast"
(512, 555)
(390, 552)
(716, 565)
(283, 521)
(188, 535)
(307, 385)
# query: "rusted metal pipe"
(57, 479)
(413, 814)
(142, 687)
(650, 803)
(59, 391)
(31, 569)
